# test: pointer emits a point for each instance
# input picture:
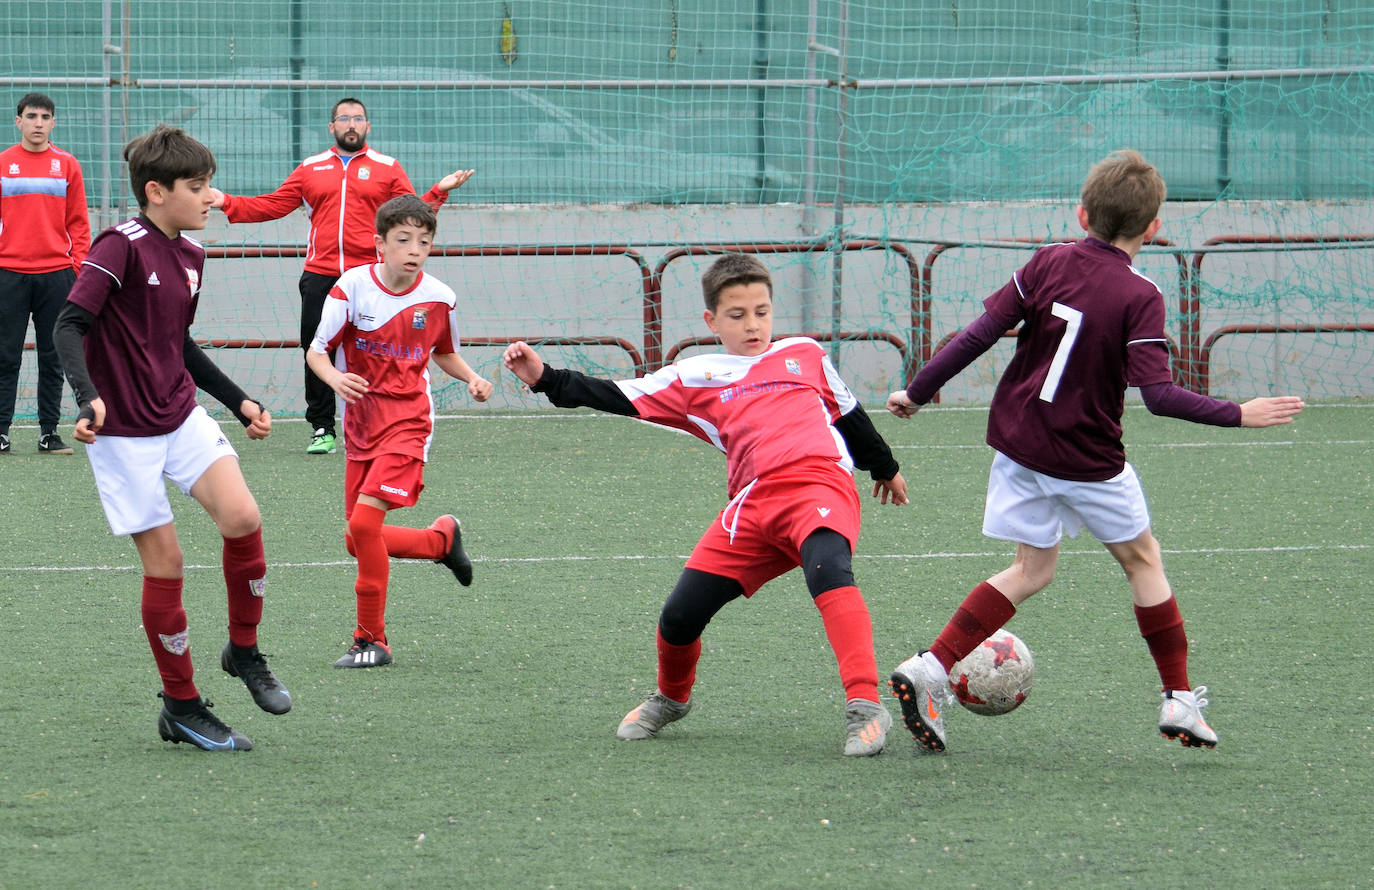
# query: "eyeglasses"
(351, 119)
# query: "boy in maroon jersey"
(1092, 326)
(792, 433)
(387, 321)
(125, 341)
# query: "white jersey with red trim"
(387, 339)
(763, 411)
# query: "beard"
(350, 141)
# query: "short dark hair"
(1122, 195)
(347, 100)
(41, 101)
(406, 209)
(164, 155)
(730, 269)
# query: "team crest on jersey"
(793, 366)
(56, 166)
(417, 321)
(193, 279)
(364, 172)
(176, 643)
(14, 169)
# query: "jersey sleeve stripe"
(117, 282)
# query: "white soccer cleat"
(866, 723)
(921, 693)
(1181, 718)
(645, 721)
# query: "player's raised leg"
(224, 494)
(921, 683)
(454, 557)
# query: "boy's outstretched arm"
(1169, 400)
(566, 388)
(956, 355)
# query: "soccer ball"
(995, 677)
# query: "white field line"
(910, 556)
(1136, 446)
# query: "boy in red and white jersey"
(387, 321)
(1091, 325)
(125, 342)
(792, 433)
(340, 190)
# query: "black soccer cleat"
(200, 728)
(456, 558)
(250, 666)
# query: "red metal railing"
(1191, 353)
(1197, 353)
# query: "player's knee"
(678, 625)
(695, 600)
(826, 562)
(240, 521)
(1139, 556)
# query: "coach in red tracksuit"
(44, 236)
(340, 189)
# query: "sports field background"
(892, 162)
(486, 755)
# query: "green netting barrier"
(895, 162)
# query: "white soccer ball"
(995, 677)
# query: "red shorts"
(393, 478)
(758, 536)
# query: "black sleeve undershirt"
(866, 445)
(573, 389)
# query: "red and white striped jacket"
(340, 196)
(43, 222)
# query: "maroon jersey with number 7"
(1093, 325)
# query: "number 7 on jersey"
(1074, 318)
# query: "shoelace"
(203, 712)
(255, 664)
(1200, 696)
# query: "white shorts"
(129, 470)
(1031, 508)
